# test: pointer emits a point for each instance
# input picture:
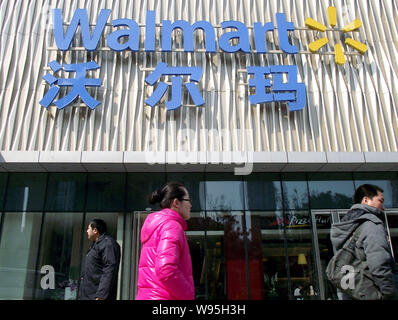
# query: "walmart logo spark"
(338, 49)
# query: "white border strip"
(105, 161)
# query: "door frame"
(334, 214)
(138, 219)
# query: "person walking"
(368, 211)
(165, 266)
(100, 270)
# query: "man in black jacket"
(373, 241)
(100, 271)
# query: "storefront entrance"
(322, 221)
(307, 263)
(259, 237)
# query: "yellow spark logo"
(338, 49)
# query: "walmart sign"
(129, 38)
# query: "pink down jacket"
(165, 266)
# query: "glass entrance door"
(322, 221)
(139, 218)
(392, 223)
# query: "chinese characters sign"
(78, 85)
(267, 81)
(291, 91)
(176, 94)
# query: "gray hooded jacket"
(374, 242)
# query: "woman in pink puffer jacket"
(165, 267)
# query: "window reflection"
(105, 192)
(387, 181)
(197, 245)
(323, 222)
(66, 192)
(263, 192)
(224, 192)
(333, 191)
(253, 242)
(26, 192)
(225, 256)
(3, 181)
(392, 218)
(139, 187)
(138, 221)
(18, 254)
(295, 191)
(302, 267)
(60, 248)
(266, 253)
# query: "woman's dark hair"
(99, 224)
(366, 190)
(165, 196)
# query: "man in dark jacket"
(373, 239)
(100, 271)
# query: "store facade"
(270, 134)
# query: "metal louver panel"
(350, 108)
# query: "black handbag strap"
(354, 236)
